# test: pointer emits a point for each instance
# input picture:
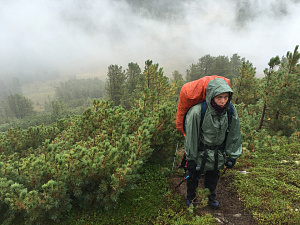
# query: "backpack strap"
(203, 110)
(229, 115)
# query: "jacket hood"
(215, 87)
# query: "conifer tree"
(268, 86)
(153, 84)
(150, 73)
(236, 62)
(76, 89)
(57, 108)
(18, 106)
(192, 73)
(293, 60)
(280, 94)
(176, 76)
(245, 85)
(209, 65)
(177, 82)
(115, 83)
(205, 65)
(285, 107)
(221, 67)
(133, 74)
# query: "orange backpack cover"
(191, 94)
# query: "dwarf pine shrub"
(91, 160)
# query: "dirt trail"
(231, 211)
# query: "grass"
(152, 202)
(271, 189)
(41, 91)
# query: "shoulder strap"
(203, 110)
(229, 114)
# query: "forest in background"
(74, 95)
(123, 87)
(88, 151)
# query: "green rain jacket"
(213, 130)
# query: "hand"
(191, 166)
(230, 163)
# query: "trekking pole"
(182, 181)
(188, 176)
(175, 156)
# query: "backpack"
(191, 94)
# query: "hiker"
(212, 143)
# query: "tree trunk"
(262, 117)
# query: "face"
(221, 99)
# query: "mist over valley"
(75, 38)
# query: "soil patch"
(231, 211)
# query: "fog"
(67, 37)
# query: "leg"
(192, 184)
(210, 182)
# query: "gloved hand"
(191, 166)
(230, 163)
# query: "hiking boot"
(190, 202)
(214, 204)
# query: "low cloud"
(72, 37)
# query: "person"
(210, 146)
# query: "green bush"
(91, 161)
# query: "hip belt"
(215, 148)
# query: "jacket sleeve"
(192, 128)
(233, 145)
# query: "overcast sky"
(86, 36)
